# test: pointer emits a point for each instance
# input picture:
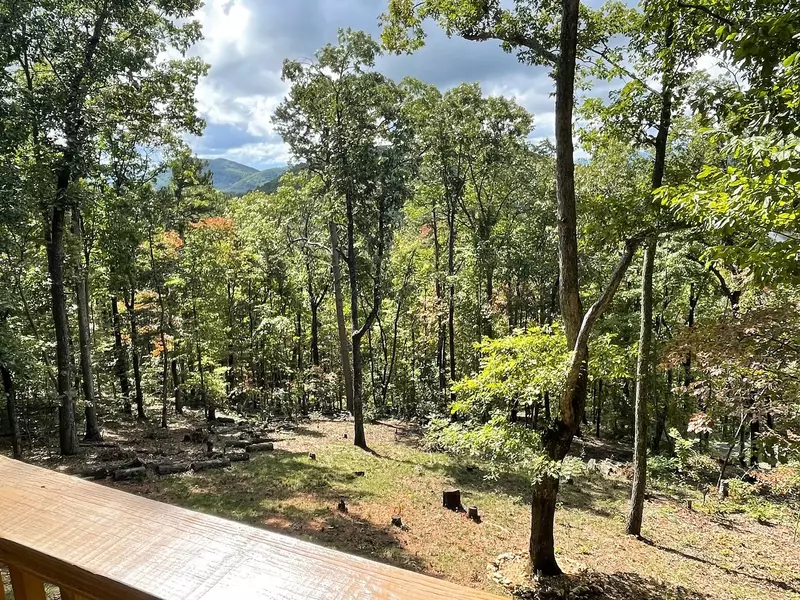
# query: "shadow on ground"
(591, 585)
(288, 493)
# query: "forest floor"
(698, 553)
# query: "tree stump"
(209, 446)
(345, 436)
(397, 521)
(724, 490)
(312, 456)
(204, 465)
(342, 506)
(263, 447)
(472, 514)
(127, 474)
(167, 469)
(451, 499)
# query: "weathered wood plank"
(105, 543)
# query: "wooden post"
(25, 585)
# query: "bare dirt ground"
(699, 553)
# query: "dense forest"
(423, 259)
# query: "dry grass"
(688, 553)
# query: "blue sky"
(246, 42)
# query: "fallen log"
(204, 465)
(238, 456)
(263, 447)
(225, 420)
(171, 469)
(238, 443)
(128, 474)
(96, 473)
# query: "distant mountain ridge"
(232, 177)
(235, 178)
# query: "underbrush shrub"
(662, 467)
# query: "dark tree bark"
(344, 338)
(121, 363)
(643, 390)
(451, 293)
(68, 431)
(84, 337)
(10, 393)
(177, 389)
(137, 367)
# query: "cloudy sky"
(246, 42)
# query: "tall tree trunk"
(359, 438)
(137, 363)
(643, 390)
(177, 390)
(599, 416)
(11, 410)
(68, 431)
(558, 435)
(451, 293)
(441, 334)
(84, 337)
(121, 362)
(344, 338)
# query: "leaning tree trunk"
(67, 429)
(644, 368)
(84, 337)
(344, 338)
(121, 363)
(11, 410)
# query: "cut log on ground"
(238, 456)
(451, 499)
(264, 447)
(225, 420)
(359, 473)
(96, 473)
(238, 443)
(91, 444)
(204, 465)
(171, 469)
(128, 474)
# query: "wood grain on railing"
(102, 544)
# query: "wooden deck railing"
(98, 543)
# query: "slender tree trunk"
(121, 363)
(643, 391)
(84, 337)
(137, 368)
(451, 294)
(599, 418)
(11, 410)
(344, 338)
(177, 390)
